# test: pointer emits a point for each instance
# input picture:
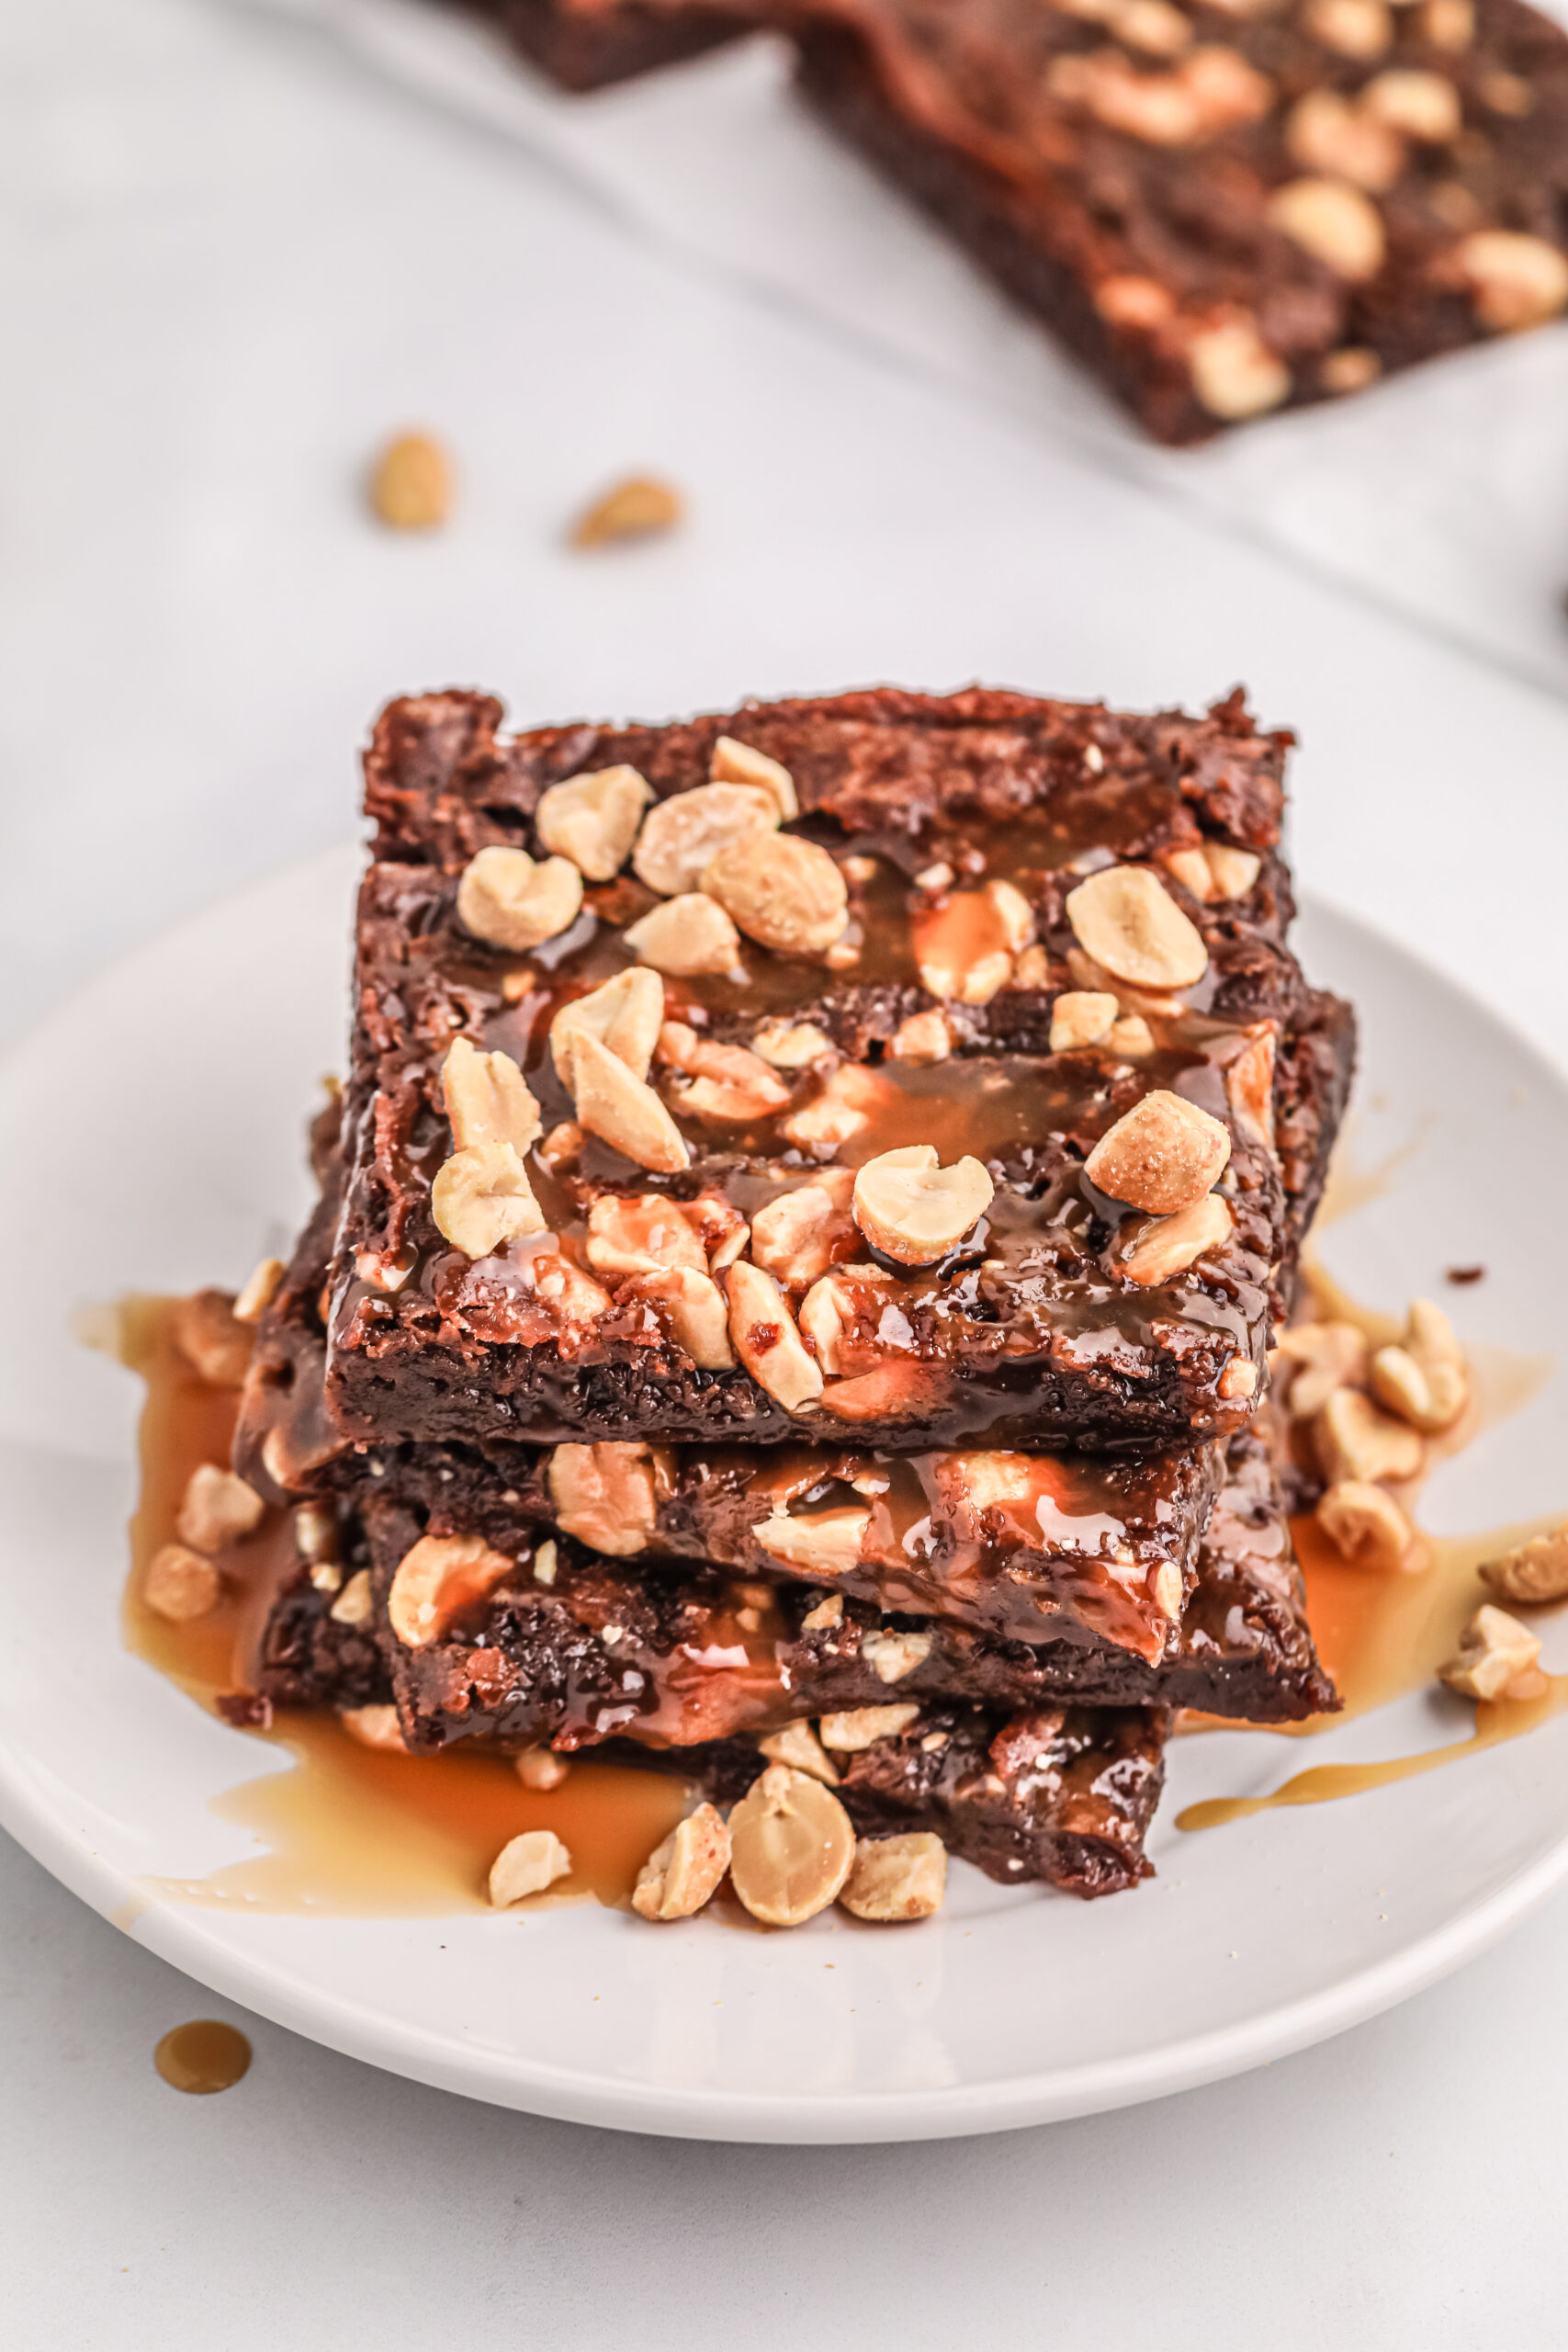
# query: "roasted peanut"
(527, 1865)
(1356, 1441)
(791, 1847)
(487, 1099)
(686, 936)
(436, 1580)
(625, 1014)
(1365, 1523)
(1161, 1156)
(1235, 374)
(897, 1878)
(1495, 1651)
(1127, 920)
(593, 819)
(1081, 1017)
(481, 1197)
(767, 1341)
(787, 894)
(217, 1509)
(604, 1495)
(737, 762)
(180, 1584)
(682, 835)
(623, 1111)
(861, 1727)
(680, 1875)
(819, 1542)
(637, 508)
(1423, 1379)
(507, 900)
(913, 1209)
(1169, 1244)
(1533, 1573)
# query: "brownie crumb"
(246, 1709)
(1466, 1273)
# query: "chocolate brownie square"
(893, 1069)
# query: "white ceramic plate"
(151, 1141)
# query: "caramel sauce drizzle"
(204, 2056)
(347, 1830)
(1380, 1635)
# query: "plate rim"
(278, 1992)
(752, 2118)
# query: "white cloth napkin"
(1443, 494)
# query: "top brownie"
(886, 1068)
(1232, 208)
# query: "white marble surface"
(231, 258)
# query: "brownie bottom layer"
(1061, 1797)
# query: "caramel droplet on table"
(206, 2055)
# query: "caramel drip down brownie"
(891, 1069)
(1165, 1577)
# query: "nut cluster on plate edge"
(804, 1244)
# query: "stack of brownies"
(796, 1265)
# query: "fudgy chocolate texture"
(1150, 180)
(1029, 1335)
(1313, 1080)
(586, 44)
(443, 779)
(544, 1641)
(1035, 1548)
(1059, 1795)
(287, 1445)
(306, 1657)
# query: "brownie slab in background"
(1225, 211)
(916, 898)
(588, 44)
